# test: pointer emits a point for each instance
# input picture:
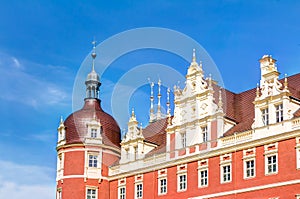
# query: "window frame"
(201, 178)
(138, 191)
(183, 140)
(92, 195)
(270, 151)
(94, 133)
(93, 163)
(182, 185)
(204, 130)
(162, 186)
(122, 195)
(279, 112)
(228, 173)
(252, 169)
(265, 116)
(272, 164)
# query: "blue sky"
(43, 44)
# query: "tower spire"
(94, 54)
(92, 81)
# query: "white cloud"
(30, 83)
(26, 181)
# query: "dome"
(76, 124)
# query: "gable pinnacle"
(158, 114)
(285, 82)
(194, 55)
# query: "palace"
(216, 145)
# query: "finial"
(132, 113)
(61, 119)
(209, 81)
(194, 55)
(285, 82)
(151, 101)
(159, 84)
(168, 102)
(158, 114)
(257, 90)
(220, 104)
(94, 53)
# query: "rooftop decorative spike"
(61, 120)
(168, 102)
(194, 55)
(158, 114)
(257, 90)
(220, 103)
(151, 102)
(285, 82)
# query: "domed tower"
(88, 143)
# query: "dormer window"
(93, 133)
(279, 113)
(265, 116)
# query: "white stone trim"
(202, 166)
(119, 191)
(249, 155)
(59, 193)
(256, 188)
(135, 190)
(138, 178)
(92, 188)
(159, 186)
(271, 150)
(122, 182)
(297, 148)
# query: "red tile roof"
(76, 127)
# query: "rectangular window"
(93, 161)
(271, 164)
(139, 190)
(279, 113)
(93, 133)
(204, 177)
(226, 173)
(182, 182)
(122, 193)
(162, 186)
(265, 116)
(204, 134)
(183, 140)
(91, 194)
(250, 168)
